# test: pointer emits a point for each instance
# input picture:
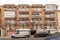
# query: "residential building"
(36, 16)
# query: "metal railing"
(23, 9)
(36, 9)
(10, 9)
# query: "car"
(54, 36)
(41, 34)
(21, 33)
(57, 38)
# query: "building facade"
(36, 16)
(59, 20)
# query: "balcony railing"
(49, 16)
(23, 16)
(10, 22)
(23, 22)
(39, 15)
(23, 9)
(9, 14)
(49, 22)
(36, 9)
(47, 27)
(36, 16)
(12, 9)
(36, 21)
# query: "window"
(17, 32)
(26, 19)
(54, 6)
(50, 7)
(20, 19)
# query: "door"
(19, 34)
(0, 32)
(22, 34)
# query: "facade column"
(16, 18)
(43, 17)
(30, 17)
(56, 18)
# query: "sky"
(16, 2)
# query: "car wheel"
(36, 36)
(26, 36)
(13, 37)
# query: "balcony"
(36, 9)
(9, 22)
(7, 9)
(23, 22)
(50, 22)
(23, 16)
(47, 27)
(9, 14)
(36, 21)
(37, 15)
(50, 16)
(23, 9)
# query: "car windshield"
(57, 34)
(17, 32)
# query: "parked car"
(41, 34)
(58, 38)
(54, 36)
(33, 31)
(21, 33)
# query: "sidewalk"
(6, 37)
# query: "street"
(22, 39)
